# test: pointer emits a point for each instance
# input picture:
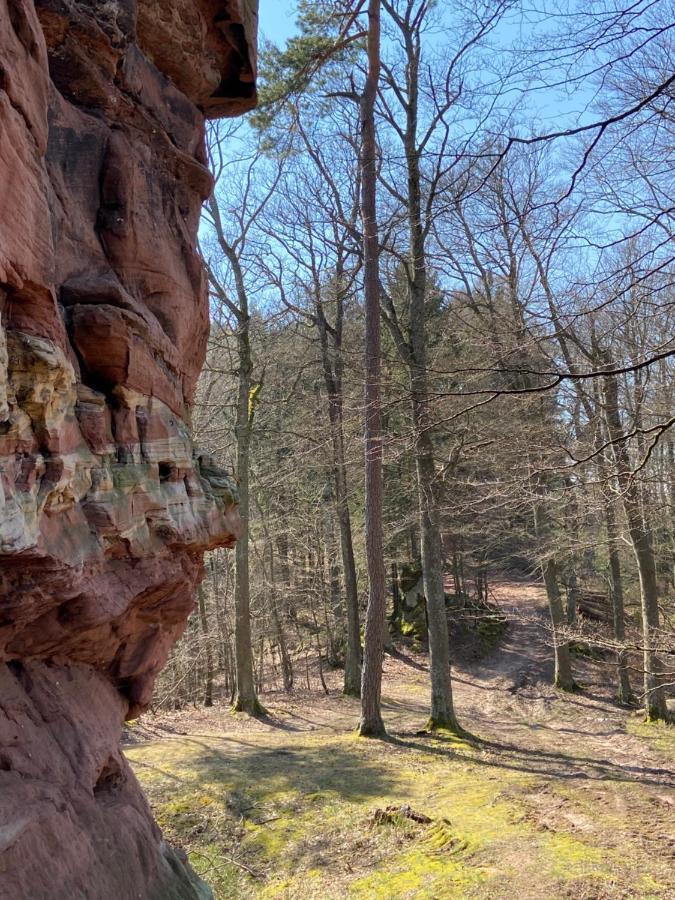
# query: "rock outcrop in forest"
(105, 506)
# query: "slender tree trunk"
(317, 632)
(371, 723)
(414, 354)
(281, 538)
(571, 526)
(333, 607)
(641, 539)
(286, 664)
(331, 356)
(203, 621)
(442, 710)
(624, 692)
(455, 571)
(226, 640)
(245, 699)
(563, 668)
(352, 679)
(336, 601)
(259, 670)
(572, 598)
(669, 451)
(397, 612)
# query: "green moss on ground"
(659, 735)
(272, 814)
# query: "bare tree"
(371, 723)
(236, 303)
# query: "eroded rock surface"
(105, 507)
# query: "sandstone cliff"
(105, 507)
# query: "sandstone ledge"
(105, 506)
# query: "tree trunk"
(371, 723)
(442, 710)
(245, 699)
(352, 679)
(641, 539)
(572, 598)
(280, 509)
(562, 677)
(333, 608)
(397, 611)
(286, 664)
(414, 353)
(221, 591)
(624, 692)
(208, 678)
(333, 380)
(455, 571)
(563, 668)
(317, 632)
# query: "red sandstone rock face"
(105, 507)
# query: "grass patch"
(659, 735)
(276, 815)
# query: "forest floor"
(552, 794)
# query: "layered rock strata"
(105, 506)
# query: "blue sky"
(277, 19)
(549, 106)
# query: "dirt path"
(601, 775)
(510, 700)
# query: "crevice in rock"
(16, 667)
(167, 471)
(110, 781)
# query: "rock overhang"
(106, 507)
(221, 79)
